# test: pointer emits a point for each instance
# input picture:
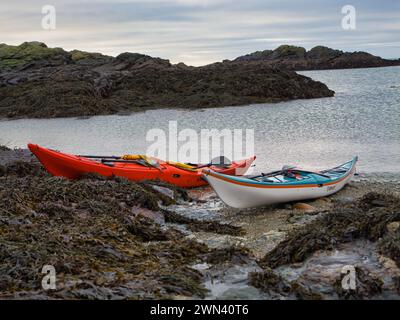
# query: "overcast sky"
(198, 32)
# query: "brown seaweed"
(89, 231)
(367, 286)
(367, 219)
(203, 225)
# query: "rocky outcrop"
(318, 58)
(41, 82)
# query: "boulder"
(165, 191)
(303, 207)
(393, 227)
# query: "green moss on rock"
(83, 57)
(288, 51)
(27, 52)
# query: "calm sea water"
(362, 119)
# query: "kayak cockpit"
(292, 175)
(281, 178)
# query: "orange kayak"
(73, 166)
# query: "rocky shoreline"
(41, 82)
(288, 57)
(115, 239)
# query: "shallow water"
(230, 281)
(321, 270)
(362, 119)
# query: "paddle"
(275, 173)
(99, 157)
(220, 161)
(121, 161)
(112, 159)
(313, 172)
(142, 163)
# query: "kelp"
(89, 230)
(100, 235)
(367, 286)
(272, 283)
(367, 218)
(203, 225)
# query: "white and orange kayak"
(288, 184)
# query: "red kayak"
(132, 167)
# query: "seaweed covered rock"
(29, 54)
(41, 82)
(90, 232)
(389, 246)
(279, 54)
(393, 227)
(272, 283)
(291, 57)
(366, 286)
(367, 218)
(269, 282)
(288, 52)
(202, 225)
(302, 292)
(23, 168)
(105, 237)
(145, 229)
(234, 254)
(88, 58)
